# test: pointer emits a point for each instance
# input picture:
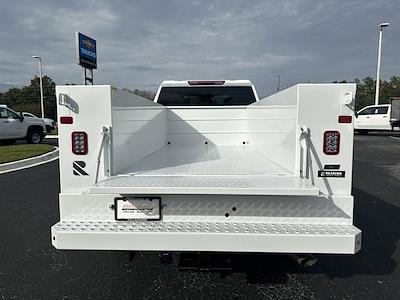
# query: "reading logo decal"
(78, 168)
(330, 173)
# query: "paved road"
(31, 268)
(51, 141)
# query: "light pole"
(279, 83)
(378, 67)
(41, 84)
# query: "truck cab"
(14, 126)
(373, 117)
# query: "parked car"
(382, 117)
(50, 124)
(14, 126)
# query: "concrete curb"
(51, 137)
(29, 162)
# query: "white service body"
(228, 178)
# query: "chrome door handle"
(367, 117)
(6, 121)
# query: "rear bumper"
(207, 236)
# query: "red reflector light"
(206, 82)
(66, 120)
(345, 119)
(79, 141)
(331, 142)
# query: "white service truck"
(207, 166)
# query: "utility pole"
(378, 65)
(41, 84)
(279, 82)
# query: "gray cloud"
(141, 43)
(144, 68)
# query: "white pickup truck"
(207, 166)
(14, 126)
(49, 123)
(382, 117)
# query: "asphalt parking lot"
(30, 268)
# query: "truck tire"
(362, 131)
(34, 136)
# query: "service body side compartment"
(319, 108)
(90, 109)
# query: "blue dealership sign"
(86, 51)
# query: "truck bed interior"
(206, 170)
(206, 160)
(205, 150)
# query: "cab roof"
(180, 83)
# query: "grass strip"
(18, 152)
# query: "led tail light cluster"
(79, 142)
(331, 142)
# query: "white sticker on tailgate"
(138, 208)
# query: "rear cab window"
(206, 96)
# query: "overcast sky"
(141, 43)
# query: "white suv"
(14, 126)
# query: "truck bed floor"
(206, 185)
(232, 170)
(206, 160)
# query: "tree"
(49, 94)
(142, 93)
(27, 98)
(366, 91)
